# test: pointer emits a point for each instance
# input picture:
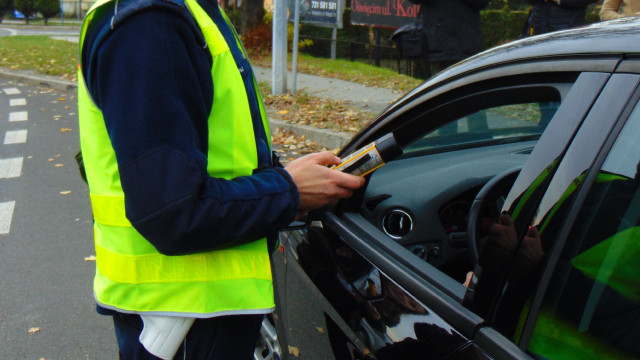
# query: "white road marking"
(18, 102)
(10, 168)
(18, 116)
(15, 137)
(6, 214)
(11, 91)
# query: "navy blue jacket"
(148, 69)
(547, 16)
(452, 28)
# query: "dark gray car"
(507, 229)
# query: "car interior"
(422, 199)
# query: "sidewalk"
(363, 97)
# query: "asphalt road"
(46, 242)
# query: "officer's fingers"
(347, 181)
(321, 158)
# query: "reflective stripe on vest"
(131, 276)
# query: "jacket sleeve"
(609, 9)
(152, 82)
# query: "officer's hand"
(319, 185)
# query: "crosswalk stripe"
(17, 102)
(11, 91)
(18, 116)
(10, 168)
(15, 137)
(6, 214)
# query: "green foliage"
(48, 8)
(509, 22)
(27, 7)
(5, 6)
(234, 15)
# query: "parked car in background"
(18, 15)
(519, 176)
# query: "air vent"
(397, 223)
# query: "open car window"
(511, 122)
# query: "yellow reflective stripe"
(109, 210)
(248, 261)
(204, 299)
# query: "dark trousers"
(225, 337)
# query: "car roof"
(601, 45)
(615, 37)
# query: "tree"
(48, 9)
(252, 15)
(5, 5)
(26, 7)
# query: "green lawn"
(60, 58)
(40, 54)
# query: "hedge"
(498, 26)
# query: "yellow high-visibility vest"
(131, 275)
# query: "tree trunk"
(252, 14)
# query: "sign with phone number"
(320, 12)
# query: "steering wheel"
(489, 200)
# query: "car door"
(561, 300)
(348, 289)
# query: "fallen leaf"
(320, 329)
(90, 258)
(58, 165)
(61, 99)
(34, 330)
(65, 130)
(66, 192)
(294, 351)
(282, 112)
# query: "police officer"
(185, 195)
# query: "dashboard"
(423, 201)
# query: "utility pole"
(279, 53)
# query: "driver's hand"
(501, 242)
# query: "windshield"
(506, 123)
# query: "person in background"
(187, 198)
(613, 9)
(453, 32)
(553, 15)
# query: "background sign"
(319, 12)
(383, 13)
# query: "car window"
(592, 307)
(512, 121)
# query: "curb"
(326, 138)
(43, 80)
